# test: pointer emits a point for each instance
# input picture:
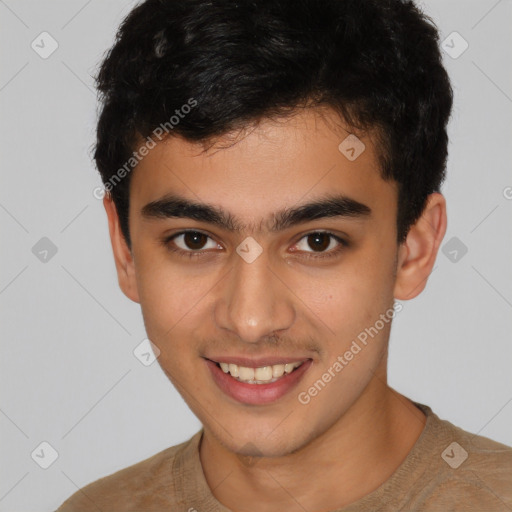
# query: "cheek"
(351, 297)
(170, 298)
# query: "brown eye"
(319, 241)
(190, 242)
(326, 244)
(194, 240)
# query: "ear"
(122, 254)
(417, 254)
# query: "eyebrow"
(174, 206)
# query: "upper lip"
(256, 362)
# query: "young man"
(272, 170)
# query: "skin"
(354, 434)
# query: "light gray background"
(68, 373)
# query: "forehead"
(271, 165)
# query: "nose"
(254, 302)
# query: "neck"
(348, 461)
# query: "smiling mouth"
(257, 385)
(261, 375)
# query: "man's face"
(220, 300)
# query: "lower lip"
(257, 394)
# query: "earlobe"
(122, 255)
(418, 253)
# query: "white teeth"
(288, 368)
(262, 375)
(245, 373)
(233, 369)
(278, 370)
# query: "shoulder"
(478, 455)
(141, 486)
(486, 470)
(469, 472)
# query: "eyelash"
(196, 254)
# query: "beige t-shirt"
(448, 469)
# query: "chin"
(262, 441)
